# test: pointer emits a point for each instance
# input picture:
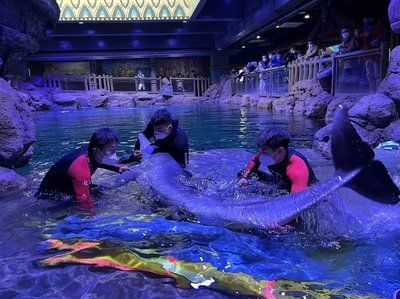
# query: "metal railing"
(195, 86)
(358, 72)
(135, 84)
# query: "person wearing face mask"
(373, 35)
(277, 162)
(348, 66)
(292, 55)
(262, 66)
(312, 51)
(71, 175)
(348, 42)
(168, 138)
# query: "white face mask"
(267, 160)
(160, 136)
(110, 159)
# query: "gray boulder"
(121, 100)
(316, 107)
(394, 65)
(66, 99)
(213, 92)
(265, 103)
(322, 141)
(392, 132)
(390, 87)
(10, 182)
(374, 111)
(17, 129)
(347, 101)
(284, 105)
(93, 99)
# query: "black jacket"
(176, 144)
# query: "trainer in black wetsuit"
(72, 174)
(169, 138)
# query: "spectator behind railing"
(312, 51)
(349, 66)
(373, 35)
(276, 60)
(348, 42)
(262, 67)
(292, 55)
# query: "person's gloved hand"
(243, 182)
(122, 169)
(276, 227)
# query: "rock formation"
(375, 116)
(10, 182)
(24, 24)
(17, 130)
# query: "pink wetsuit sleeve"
(79, 173)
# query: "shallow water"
(335, 250)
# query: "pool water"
(129, 218)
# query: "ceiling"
(126, 10)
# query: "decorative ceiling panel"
(126, 10)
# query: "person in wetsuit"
(286, 166)
(282, 165)
(71, 175)
(168, 138)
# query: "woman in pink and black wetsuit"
(72, 174)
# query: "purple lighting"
(135, 43)
(65, 45)
(172, 42)
(101, 44)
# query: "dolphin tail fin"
(351, 153)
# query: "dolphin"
(355, 168)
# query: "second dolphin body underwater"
(355, 168)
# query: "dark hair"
(162, 117)
(346, 28)
(274, 138)
(101, 138)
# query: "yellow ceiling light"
(125, 10)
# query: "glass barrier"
(273, 82)
(358, 75)
(279, 82)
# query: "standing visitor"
(140, 76)
(371, 38)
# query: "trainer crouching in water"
(72, 174)
(276, 162)
(168, 138)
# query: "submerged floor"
(339, 250)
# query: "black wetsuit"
(176, 144)
(72, 175)
(293, 174)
